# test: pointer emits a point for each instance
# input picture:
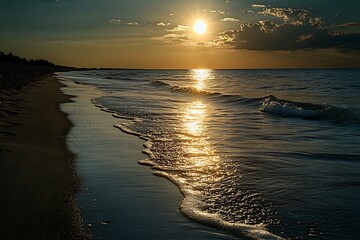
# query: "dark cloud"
(298, 29)
(348, 25)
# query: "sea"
(257, 153)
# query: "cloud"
(348, 25)
(214, 11)
(281, 29)
(178, 28)
(290, 15)
(163, 24)
(230, 20)
(133, 23)
(258, 6)
(187, 40)
(114, 21)
(176, 38)
(297, 29)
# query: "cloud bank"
(291, 29)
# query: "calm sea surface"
(255, 152)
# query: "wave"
(226, 98)
(190, 90)
(160, 83)
(272, 105)
(191, 207)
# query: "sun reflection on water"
(200, 76)
(198, 151)
(194, 118)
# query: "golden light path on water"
(200, 76)
(199, 152)
(208, 182)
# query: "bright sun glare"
(200, 27)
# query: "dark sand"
(37, 177)
(14, 76)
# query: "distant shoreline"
(219, 69)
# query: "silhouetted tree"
(13, 59)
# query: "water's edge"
(91, 225)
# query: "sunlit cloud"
(178, 28)
(269, 36)
(163, 24)
(258, 6)
(230, 19)
(288, 29)
(133, 23)
(175, 38)
(214, 11)
(290, 15)
(186, 40)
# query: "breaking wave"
(272, 105)
(286, 108)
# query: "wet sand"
(37, 175)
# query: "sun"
(200, 27)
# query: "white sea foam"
(115, 115)
(192, 207)
(148, 152)
(148, 144)
(126, 129)
(146, 162)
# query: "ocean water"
(264, 154)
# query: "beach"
(38, 178)
(68, 173)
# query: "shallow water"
(119, 198)
(260, 153)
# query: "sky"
(159, 34)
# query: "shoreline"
(122, 199)
(38, 177)
(44, 191)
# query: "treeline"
(13, 59)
